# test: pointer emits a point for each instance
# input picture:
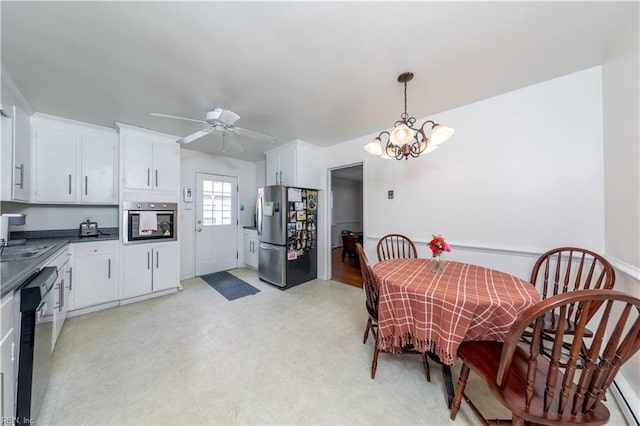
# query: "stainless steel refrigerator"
(287, 221)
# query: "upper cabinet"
(15, 149)
(74, 163)
(296, 163)
(150, 160)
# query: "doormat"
(229, 285)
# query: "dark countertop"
(250, 227)
(14, 273)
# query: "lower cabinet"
(7, 359)
(61, 292)
(149, 268)
(95, 274)
(251, 243)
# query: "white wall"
(347, 208)
(621, 72)
(192, 162)
(523, 173)
(45, 217)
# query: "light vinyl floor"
(277, 357)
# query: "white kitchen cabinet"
(74, 163)
(61, 296)
(55, 165)
(149, 268)
(251, 243)
(8, 354)
(21, 182)
(150, 161)
(296, 163)
(97, 163)
(95, 274)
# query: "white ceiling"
(321, 72)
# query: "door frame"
(196, 199)
(328, 212)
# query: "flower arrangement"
(437, 246)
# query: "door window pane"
(216, 203)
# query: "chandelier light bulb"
(401, 135)
(440, 134)
(374, 147)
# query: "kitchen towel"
(148, 223)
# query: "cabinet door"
(21, 155)
(165, 267)
(247, 247)
(166, 158)
(137, 162)
(98, 159)
(273, 169)
(253, 258)
(136, 261)
(94, 280)
(288, 167)
(55, 165)
(7, 375)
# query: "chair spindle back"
(395, 246)
(368, 283)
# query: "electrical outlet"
(88, 219)
(390, 194)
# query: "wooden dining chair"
(395, 246)
(349, 242)
(568, 269)
(534, 387)
(370, 286)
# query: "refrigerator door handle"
(259, 219)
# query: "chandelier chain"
(405, 98)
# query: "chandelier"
(405, 140)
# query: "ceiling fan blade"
(192, 137)
(176, 117)
(253, 134)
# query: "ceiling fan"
(220, 120)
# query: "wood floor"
(347, 272)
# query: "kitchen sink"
(24, 252)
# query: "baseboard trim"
(627, 399)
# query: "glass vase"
(438, 264)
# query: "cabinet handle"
(156, 178)
(148, 176)
(61, 304)
(109, 269)
(69, 184)
(157, 260)
(21, 184)
(86, 185)
(148, 260)
(13, 351)
(277, 178)
(70, 277)
(280, 177)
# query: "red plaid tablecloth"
(437, 312)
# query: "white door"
(216, 223)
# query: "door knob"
(199, 229)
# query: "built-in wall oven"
(149, 222)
